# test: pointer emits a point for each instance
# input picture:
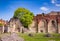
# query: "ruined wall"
(42, 23)
(52, 25)
(33, 27)
(15, 25)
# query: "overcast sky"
(7, 7)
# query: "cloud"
(44, 8)
(57, 5)
(53, 1)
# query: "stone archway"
(42, 26)
(52, 26)
(18, 29)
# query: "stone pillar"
(3, 29)
(59, 28)
(8, 29)
(21, 28)
(13, 28)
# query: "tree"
(25, 16)
(1, 24)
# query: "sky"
(7, 7)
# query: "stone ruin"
(42, 23)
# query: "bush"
(47, 35)
(31, 35)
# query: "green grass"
(40, 37)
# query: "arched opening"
(18, 29)
(41, 31)
(52, 26)
(42, 26)
(53, 23)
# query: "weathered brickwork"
(48, 23)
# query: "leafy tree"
(25, 16)
(1, 24)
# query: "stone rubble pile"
(12, 37)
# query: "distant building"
(4, 27)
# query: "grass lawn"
(40, 37)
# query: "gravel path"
(12, 37)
